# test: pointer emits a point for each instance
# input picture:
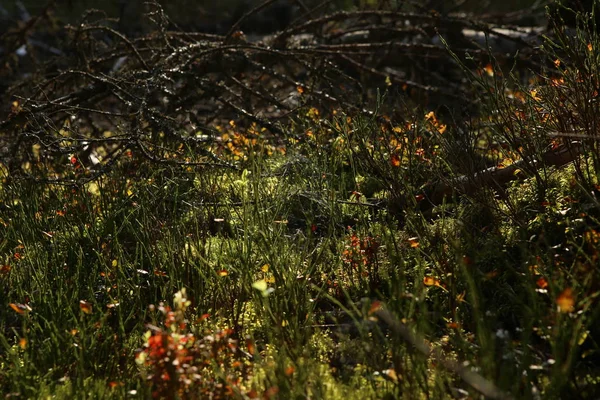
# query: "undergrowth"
(273, 279)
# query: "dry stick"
(123, 38)
(395, 79)
(493, 177)
(303, 6)
(471, 378)
(266, 97)
(309, 12)
(125, 87)
(396, 15)
(157, 159)
(374, 28)
(24, 31)
(256, 9)
(345, 15)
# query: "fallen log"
(497, 177)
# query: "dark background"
(217, 16)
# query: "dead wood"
(498, 177)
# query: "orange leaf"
(431, 281)
(222, 272)
(203, 317)
(375, 306)
(542, 283)
(250, 346)
(491, 275)
(20, 308)
(85, 306)
(414, 242)
(489, 70)
(271, 392)
(114, 304)
(289, 370)
(390, 374)
(566, 301)
(23, 343)
(395, 160)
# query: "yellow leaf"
(93, 188)
(260, 285)
(140, 358)
(582, 337)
